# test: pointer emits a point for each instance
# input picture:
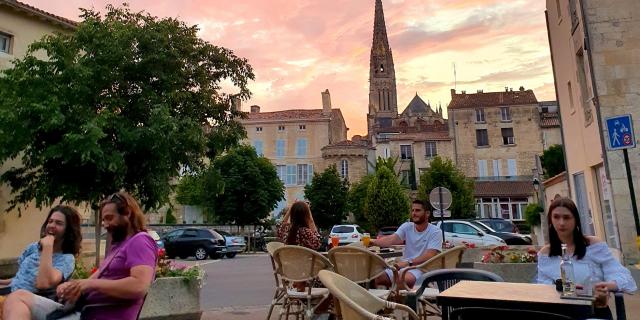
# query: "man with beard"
(119, 286)
(422, 241)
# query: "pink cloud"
(300, 48)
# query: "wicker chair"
(356, 303)
(278, 296)
(361, 266)
(296, 264)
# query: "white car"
(348, 233)
(459, 232)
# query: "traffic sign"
(436, 214)
(620, 129)
(440, 198)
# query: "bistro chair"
(295, 264)
(356, 302)
(278, 296)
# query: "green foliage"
(386, 203)
(169, 217)
(442, 173)
(389, 163)
(553, 161)
(357, 200)
(251, 187)
(327, 194)
(532, 214)
(122, 103)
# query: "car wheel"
(231, 254)
(201, 253)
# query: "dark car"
(386, 231)
(500, 225)
(508, 237)
(188, 242)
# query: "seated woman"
(592, 261)
(298, 228)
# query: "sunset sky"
(299, 48)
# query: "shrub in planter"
(532, 214)
(511, 265)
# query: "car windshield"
(224, 233)
(342, 229)
(498, 225)
(482, 226)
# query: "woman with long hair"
(593, 263)
(298, 228)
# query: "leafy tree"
(327, 195)
(386, 203)
(201, 189)
(251, 187)
(442, 173)
(532, 214)
(553, 161)
(169, 217)
(122, 103)
(357, 201)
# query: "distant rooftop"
(491, 99)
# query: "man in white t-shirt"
(422, 241)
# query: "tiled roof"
(549, 120)
(503, 188)
(491, 99)
(41, 13)
(418, 136)
(293, 114)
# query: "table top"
(384, 254)
(508, 291)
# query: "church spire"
(383, 101)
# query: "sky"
(299, 48)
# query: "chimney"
(521, 88)
(506, 89)
(326, 102)
(453, 91)
(464, 91)
(236, 103)
(255, 109)
(479, 91)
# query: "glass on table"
(335, 241)
(366, 239)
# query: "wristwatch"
(410, 262)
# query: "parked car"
(235, 244)
(348, 233)
(500, 225)
(460, 232)
(201, 243)
(386, 231)
(508, 237)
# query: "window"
(302, 127)
(570, 91)
(282, 172)
(291, 175)
(482, 168)
(301, 147)
(259, 147)
(463, 229)
(258, 129)
(404, 177)
(505, 114)
(405, 151)
(387, 152)
(482, 137)
(5, 43)
(190, 234)
(507, 136)
(280, 128)
(497, 168)
(430, 149)
(480, 115)
(511, 166)
(303, 174)
(280, 145)
(344, 169)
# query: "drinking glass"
(335, 241)
(366, 238)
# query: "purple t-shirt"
(139, 250)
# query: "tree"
(201, 189)
(327, 195)
(357, 201)
(121, 103)
(553, 161)
(442, 173)
(251, 187)
(169, 217)
(386, 203)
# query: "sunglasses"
(115, 197)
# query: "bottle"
(566, 273)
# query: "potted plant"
(511, 265)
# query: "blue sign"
(620, 130)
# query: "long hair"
(579, 239)
(72, 233)
(127, 206)
(300, 216)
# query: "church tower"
(383, 99)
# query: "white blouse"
(597, 261)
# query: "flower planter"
(510, 272)
(175, 298)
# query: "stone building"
(595, 50)
(550, 123)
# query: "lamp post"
(539, 192)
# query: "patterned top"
(597, 262)
(29, 262)
(305, 237)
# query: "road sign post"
(440, 199)
(621, 136)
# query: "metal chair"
(295, 264)
(278, 296)
(446, 278)
(356, 302)
(466, 313)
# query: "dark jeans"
(603, 313)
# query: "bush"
(532, 214)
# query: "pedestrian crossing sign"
(620, 129)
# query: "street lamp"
(536, 184)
